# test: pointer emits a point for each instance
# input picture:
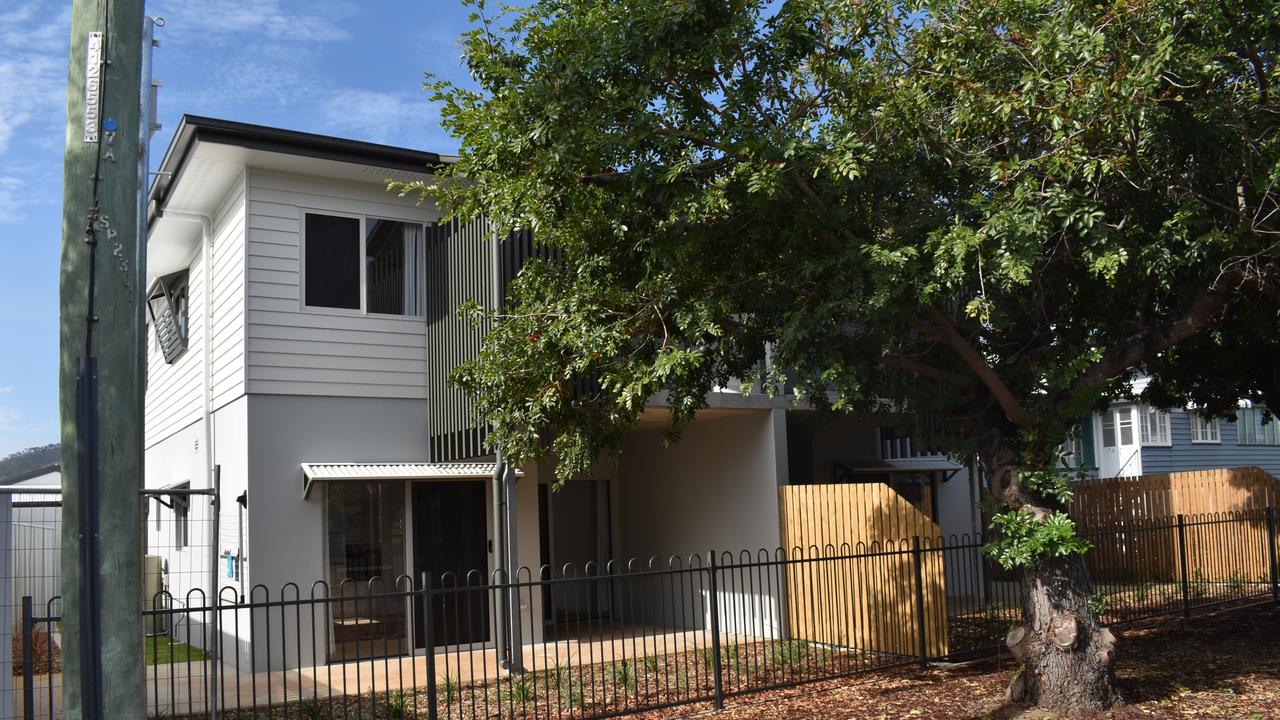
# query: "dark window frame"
(362, 248)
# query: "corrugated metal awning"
(381, 472)
(901, 466)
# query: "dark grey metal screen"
(464, 262)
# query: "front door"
(450, 536)
(1121, 451)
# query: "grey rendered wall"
(286, 542)
(286, 538)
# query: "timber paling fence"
(617, 639)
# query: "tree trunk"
(1066, 653)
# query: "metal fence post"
(715, 631)
(1182, 557)
(429, 641)
(1271, 555)
(28, 672)
(917, 561)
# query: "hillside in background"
(30, 459)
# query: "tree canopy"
(992, 213)
(1027, 202)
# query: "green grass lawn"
(161, 651)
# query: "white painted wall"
(957, 506)
(228, 293)
(174, 396)
(175, 392)
(292, 350)
(180, 458)
(715, 489)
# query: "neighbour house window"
(1204, 429)
(1154, 429)
(1257, 426)
(168, 306)
(1117, 426)
(367, 264)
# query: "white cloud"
(11, 200)
(249, 20)
(387, 117)
(33, 70)
(6, 389)
(9, 419)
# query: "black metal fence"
(615, 639)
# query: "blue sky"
(352, 69)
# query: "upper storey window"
(367, 264)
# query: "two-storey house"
(302, 327)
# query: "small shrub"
(788, 652)
(624, 676)
(1236, 582)
(1144, 590)
(576, 693)
(1098, 602)
(520, 689)
(449, 689)
(651, 664)
(396, 705)
(311, 709)
(708, 658)
(1198, 585)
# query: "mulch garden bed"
(1211, 667)
(1224, 665)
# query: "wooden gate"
(851, 581)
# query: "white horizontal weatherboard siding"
(175, 392)
(227, 361)
(312, 351)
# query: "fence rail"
(629, 637)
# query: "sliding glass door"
(366, 529)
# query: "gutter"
(194, 129)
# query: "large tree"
(993, 213)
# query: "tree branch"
(1128, 352)
(605, 179)
(963, 382)
(947, 333)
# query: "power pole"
(102, 375)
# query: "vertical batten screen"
(463, 264)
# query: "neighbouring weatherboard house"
(302, 325)
(1135, 439)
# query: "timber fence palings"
(613, 639)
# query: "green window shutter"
(1086, 442)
